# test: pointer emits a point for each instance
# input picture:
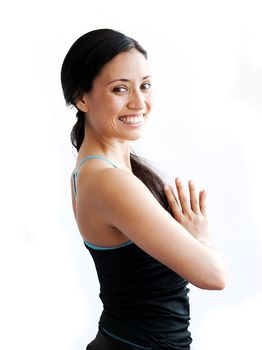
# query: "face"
(121, 97)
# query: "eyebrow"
(125, 80)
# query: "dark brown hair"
(82, 64)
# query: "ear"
(82, 103)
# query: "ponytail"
(150, 177)
(78, 132)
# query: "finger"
(171, 194)
(193, 197)
(202, 202)
(182, 196)
(172, 199)
(173, 202)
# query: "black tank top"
(144, 302)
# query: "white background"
(206, 59)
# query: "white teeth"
(132, 120)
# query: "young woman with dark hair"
(146, 242)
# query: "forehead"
(130, 64)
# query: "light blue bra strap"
(96, 247)
(74, 182)
(90, 157)
(76, 172)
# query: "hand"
(190, 213)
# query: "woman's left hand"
(189, 213)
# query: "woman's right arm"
(128, 205)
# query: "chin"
(133, 137)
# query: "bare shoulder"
(129, 206)
(120, 196)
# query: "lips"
(132, 119)
(132, 116)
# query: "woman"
(146, 243)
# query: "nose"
(137, 101)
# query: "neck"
(117, 150)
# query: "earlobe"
(82, 104)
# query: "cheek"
(150, 100)
(107, 111)
(106, 107)
(115, 103)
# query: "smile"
(132, 119)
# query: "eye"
(120, 89)
(146, 86)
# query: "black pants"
(103, 342)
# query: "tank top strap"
(82, 161)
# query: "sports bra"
(82, 161)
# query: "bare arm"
(129, 206)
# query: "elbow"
(217, 282)
(215, 276)
(222, 282)
(220, 277)
(212, 279)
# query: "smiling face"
(121, 97)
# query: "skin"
(105, 216)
